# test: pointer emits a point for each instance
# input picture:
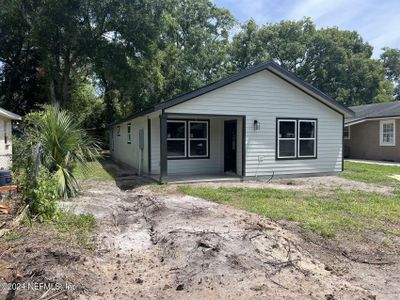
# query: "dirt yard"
(154, 243)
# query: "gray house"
(260, 122)
(373, 132)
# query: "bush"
(41, 194)
(43, 198)
(55, 140)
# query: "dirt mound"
(156, 246)
(168, 246)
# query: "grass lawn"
(336, 212)
(97, 171)
(371, 173)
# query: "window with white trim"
(118, 130)
(176, 139)
(387, 133)
(296, 138)
(287, 135)
(346, 132)
(307, 144)
(129, 133)
(198, 138)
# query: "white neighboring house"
(259, 122)
(6, 118)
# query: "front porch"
(182, 179)
(197, 147)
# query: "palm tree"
(64, 146)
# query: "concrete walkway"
(374, 162)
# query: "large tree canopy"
(105, 59)
(337, 62)
(390, 59)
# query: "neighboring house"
(6, 118)
(373, 132)
(259, 122)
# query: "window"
(118, 130)
(346, 133)
(198, 138)
(129, 134)
(387, 133)
(287, 138)
(187, 139)
(296, 138)
(176, 139)
(307, 139)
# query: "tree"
(192, 50)
(337, 62)
(245, 49)
(390, 59)
(20, 81)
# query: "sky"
(377, 21)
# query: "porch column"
(243, 146)
(163, 149)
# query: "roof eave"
(308, 88)
(272, 67)
(9, 115)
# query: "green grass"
(371, 173)
(337, 212)
(14, 235)
(97, 171)
(77, 229)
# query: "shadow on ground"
(125, 178)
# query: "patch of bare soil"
(316, 184)
(157, 246)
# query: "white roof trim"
(9, 115)
(358, 121)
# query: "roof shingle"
(375, 110)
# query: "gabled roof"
(9, 115)
(374, 111)
(270, 66)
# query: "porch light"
(256, 125)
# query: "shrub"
(43, 198)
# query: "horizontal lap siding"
(129, 154)
(212, 165)
(264, 97)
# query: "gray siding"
(264, 97)
(212, 165)
(129, 154)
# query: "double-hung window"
(198, 138)
(307, 138)
(387, 133)
(287, 135)
(187, 139)
(176, 139)
(296, 138)
(129, 133)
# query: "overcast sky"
(378, 21)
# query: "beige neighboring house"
(374, 132)
(261, 122)
(6, 118)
